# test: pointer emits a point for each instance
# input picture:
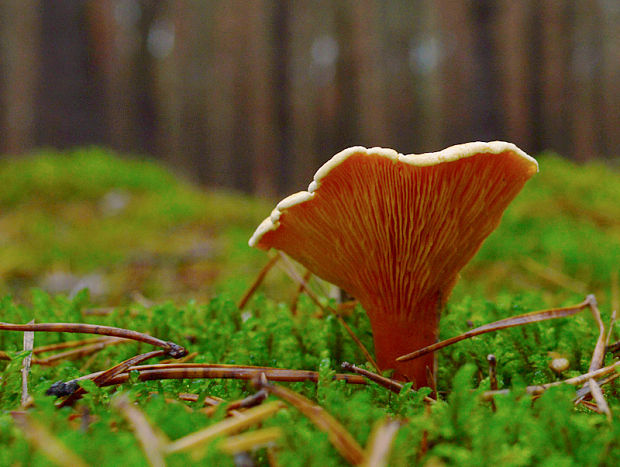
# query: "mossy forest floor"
(164, 258)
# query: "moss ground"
(168, 259)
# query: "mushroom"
(394, 231)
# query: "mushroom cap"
(394, 230)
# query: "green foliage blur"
(135, 228)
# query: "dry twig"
(340, 438)
(513, 321)
(174, 350)
(257, 282)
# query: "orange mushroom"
(394, 231)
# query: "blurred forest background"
(255, 94)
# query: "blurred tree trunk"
(365, 49)
(513, 34)
(19, 58)
(258, 103)
(347, 118)
(114, 39)
(457, 70)
(586, 59)
(485, 93)
(551, 24)
(610, 77)
(70, 98)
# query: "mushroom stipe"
(394, 231)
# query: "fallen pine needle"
(41, 438)
(387, 383)
(198, 370)
(151, 439)
(340, 438)
(577, 380)
(599, 398)
(79, 352)
(174, 350)
(513, 321)
(257, 282)
(230, 425)
(102, 378)
(250, 441)
(380, 442)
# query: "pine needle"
(506, 323)
(340, 438)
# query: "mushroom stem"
(397, 335)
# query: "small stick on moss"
(599, 349)
(102, 378)
(202, 371)
(300, 288)
(380, 442)
(519, 320)
(293, 274)
(387, 383)
(576, 381)
(232, 407)
(598, 355)
(257, 282)
(585, 390)
(73, 344)
(79, 351)
(340, 438)
(26, 363)
(599, 398)
(174, 350)
(392, 385)
(492, 377)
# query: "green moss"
(567, 220)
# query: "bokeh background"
(254, 95)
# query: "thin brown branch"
(79, 351)
(387, 383)
(506, 323)
(340, 438)
(171, 348)
(576, 381)
(290, 269)
(73, 344)
(300, 288)
(257, 282)
(102, 378)
(599, 398)
(599, 349)
(198, 371)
